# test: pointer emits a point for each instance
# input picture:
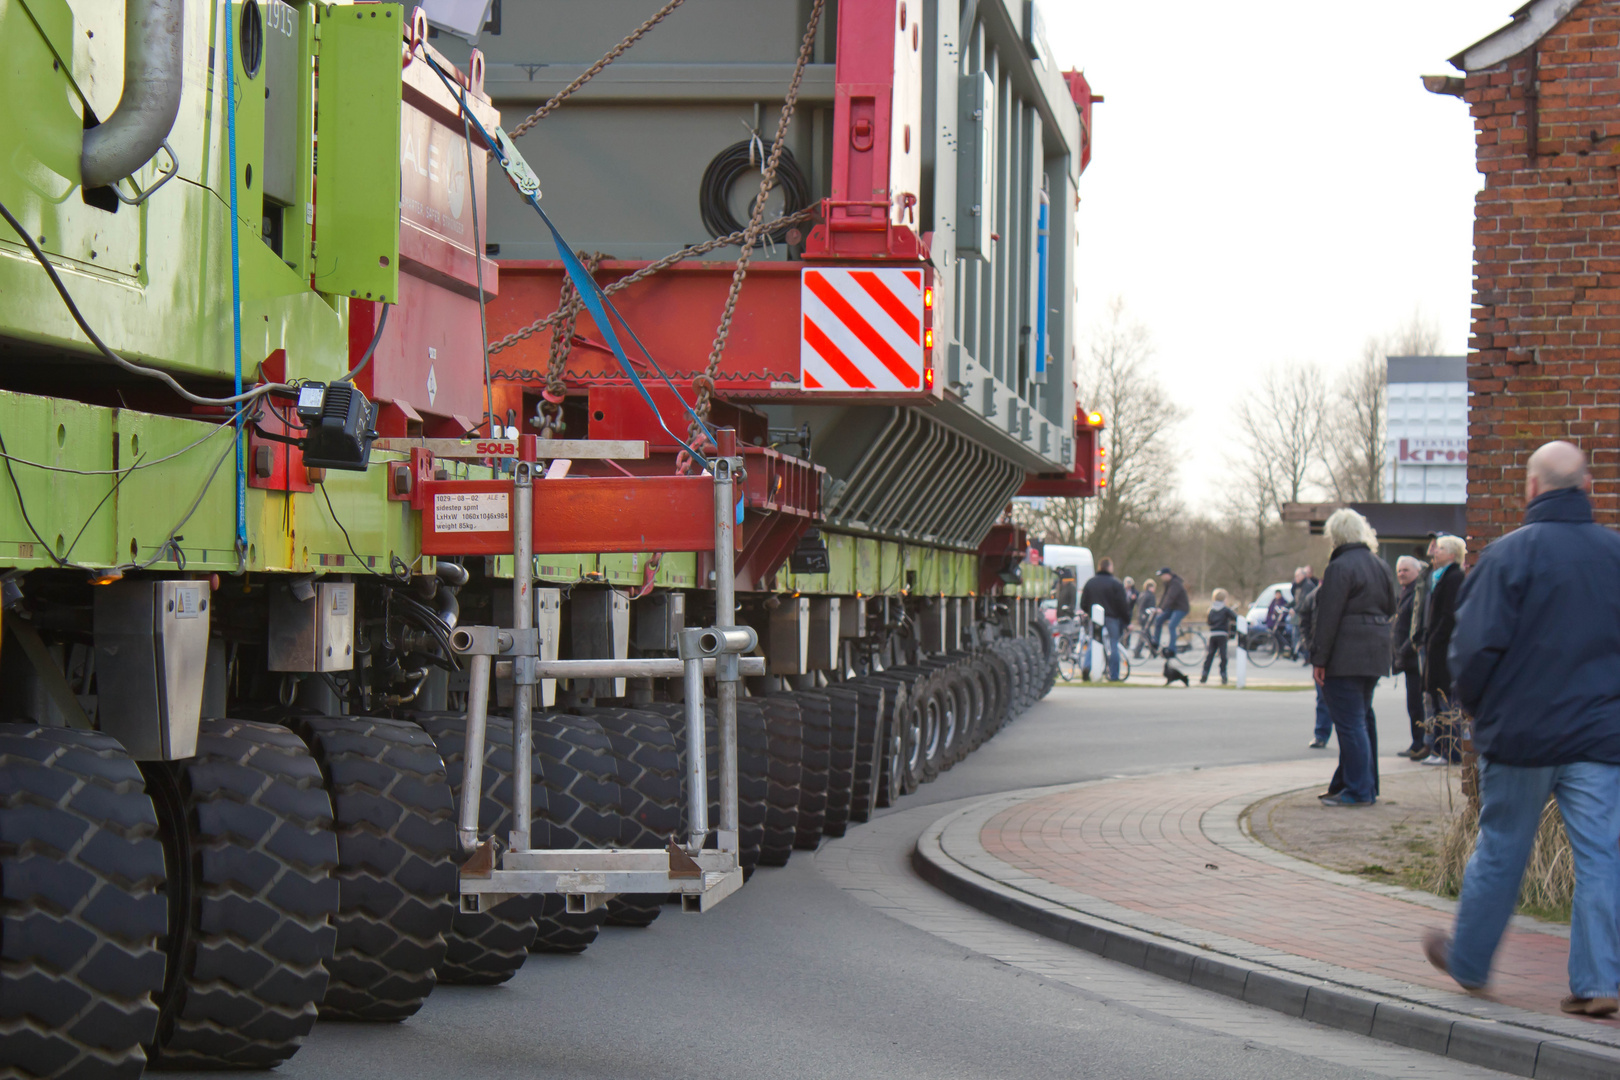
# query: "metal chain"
(705, 382)
(569, 305)
(652, 268)
(595, 69)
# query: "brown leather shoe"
(1436, 949)
(1599, 1007)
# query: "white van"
(1077, 559)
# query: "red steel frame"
(572, 515)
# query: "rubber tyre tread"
(814, 710)
(397, 866)
(650, 787)
(753, 765)
(484, 948)
(576, 767)
(82, 907)
(1001, 679)
(869, 755)
(845, 706)
(247, 828)
(785, 738)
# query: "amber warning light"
(1094, 419)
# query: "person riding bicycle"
(1173, 607)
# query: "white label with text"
(471, 511)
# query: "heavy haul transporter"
(370, 615)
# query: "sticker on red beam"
(471, 511)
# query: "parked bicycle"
(1074, 644)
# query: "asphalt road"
(797, 976)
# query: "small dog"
(1173, 673)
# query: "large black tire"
(815, 721)
(1001, 677)
(1048, 658)
(575, 766)
(786, 774)
(484, 948)
(396, 835)
(650, 785)
(981, 692)
(932, 708)
(903, 742)
(845, 705)
(247, 836)
(955, 708)
(753, 764)
(82, 911)
(869, 751)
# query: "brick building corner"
(1544, 351)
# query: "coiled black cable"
(734, 163)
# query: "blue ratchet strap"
(590, 293)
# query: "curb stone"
(1498, 1044)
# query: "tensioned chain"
(652, 268)
(705, 382)
(595, 69)
(569, 305)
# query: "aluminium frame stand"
(587, 878)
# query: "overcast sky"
(1270, 183)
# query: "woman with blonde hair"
(1350, 651)
(1447, 553)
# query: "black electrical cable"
(367, 567)
(58, 560)
(733, 164)
(382, 321)
(101, 346)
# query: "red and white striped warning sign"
(861, 329)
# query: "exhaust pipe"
(126, 140)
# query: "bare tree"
(1357, 447)
(1282, 426)
(1118, 380)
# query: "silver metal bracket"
(516, 168)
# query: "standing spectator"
(1130, 596)
(1305, 583)
(1447, 553)
(1106, 589)
(1409, 571)
(1307, 625)
(1173, 607)
(1544, 691)
(1222, 624)
(1147, 606)
(1350, 651)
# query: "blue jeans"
(1511, 799)
(1112, 631)
(1172, 620)
(1324, 722)
(1349, 703)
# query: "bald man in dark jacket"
(1536, 660)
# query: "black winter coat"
(1105, 589)
(1439, 624)
(1352, 614)
(1175, 596)
(1536, 651)
(1223, 621)
(1400, 639)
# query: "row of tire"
(203, 913)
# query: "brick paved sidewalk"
(1166, 856)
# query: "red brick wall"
(1544, 356)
